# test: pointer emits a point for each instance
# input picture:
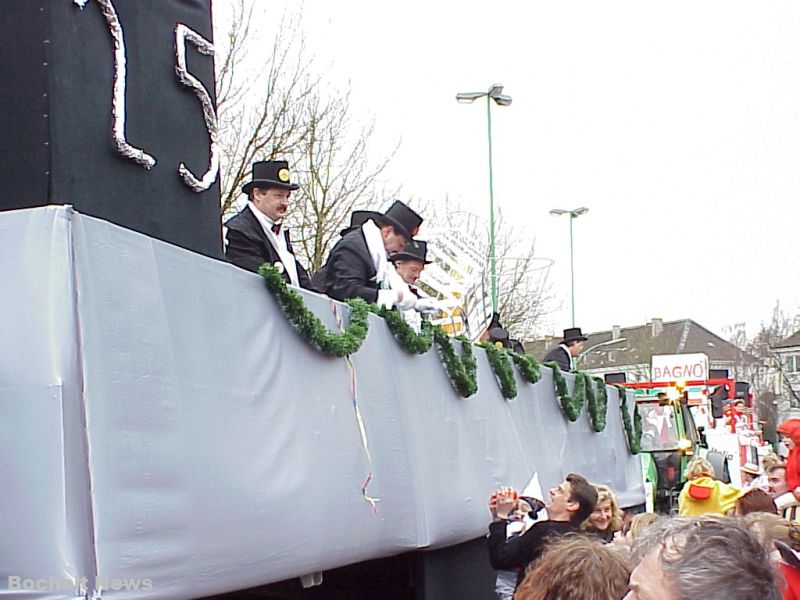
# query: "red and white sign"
(672, 367)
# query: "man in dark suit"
(358, 265)
(256, 235)
(570, 347)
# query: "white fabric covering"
(162, 420)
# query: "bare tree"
(277, 108)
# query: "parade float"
(685, 413)
(176, 427)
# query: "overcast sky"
(677, 124)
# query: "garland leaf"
(527, 365)
(503, 371)
(633, 432)
(461, 370)
(571, 406)
(596, 405)
(309, 325)
(411, 341)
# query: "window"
(791, 363)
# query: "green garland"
(411, 341)
(309, 325)
(571, 406)
(504, 373)
(596, 408)
(461, 370)
(633, 432)
(527, 365)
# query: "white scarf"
(377, 252)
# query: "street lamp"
(573, 214)
(495, 93)
(601, 344)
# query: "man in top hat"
(257, 235)
(410, 261)
(359, 267)
(570, 347)
(408, 264)
(357, 219)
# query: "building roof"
(789, 342)
(641, 342)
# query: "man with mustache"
(257, 234)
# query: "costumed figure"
(703, 494)
(790, 436)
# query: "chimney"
(657, 326)
(615, 331)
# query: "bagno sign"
(671, 367)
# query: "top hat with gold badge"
(270, 173)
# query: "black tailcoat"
(561, 356)
(249, 247)
(349, 272)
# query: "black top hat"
(270, 173)
(357, 219)
(413, 250)
(573, 334)
(404, 220)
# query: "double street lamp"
(573, 214)
(495, 93)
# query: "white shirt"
(278, 243)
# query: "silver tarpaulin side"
(199, 445)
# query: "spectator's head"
(769, 528)
(572, 500)
(755, 501)
(770, 460)
(606, 516)
(639, 524)
(576, 567)
(698, 467)
(776, 478)
(713, 558)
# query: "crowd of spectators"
(729, 544)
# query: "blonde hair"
(574, 567)
(770, 460)
(604, 493)
(769, 528)
(698, 467)
(641, 522)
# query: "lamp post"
(573, 214)
(495, 93)
(601, 344)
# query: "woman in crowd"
(576, 567)
(755, 500)
(702, 494)
(606, 520)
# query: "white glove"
(428, 305)
(406, 300)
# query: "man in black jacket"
(358, 265)
(257, 235)
(571, 346)
(571, 502)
